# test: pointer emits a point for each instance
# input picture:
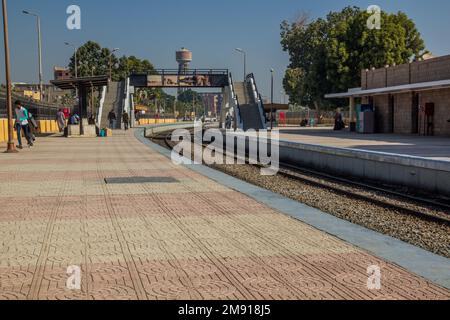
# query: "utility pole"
(10, 146)
(193, 105)
(76, 62)
(92, 93)
(110, 62)
(41, 81)
(271, 99)
(245, 61)
(75, 55)
(175, 108)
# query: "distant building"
(61, 73)
(212, 102)
(428, 56)
(184, 58)
(411, 98)
(50, 95)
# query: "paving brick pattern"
(192, 239)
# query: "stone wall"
(398, 75)
(364, 80)
(420, 71)
(431, 70)
(404, 117)
(403, 113)
(441, 99)
(376, 79)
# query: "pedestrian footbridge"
(242, 100)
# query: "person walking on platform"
(61, 120)
(112, 118)
(228, 121)
(33, 126)
(22, 124)
(338, 121)
(126, 120)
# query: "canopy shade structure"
(87, 82)
(82, 85)
(422, 86)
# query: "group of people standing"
(112, 118)
(73, 119)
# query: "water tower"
(184, 58)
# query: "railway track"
(419, 221)
(373, 194)
(349, 188)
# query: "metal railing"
(236, 98)
(40, 110)
(258, 98)
(189, 72)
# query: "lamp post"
(283, 96)
(271, 98)
(10, 146)
(92, 93)
(38, 19)
(75, 48)
(110, 62)
(245, 60)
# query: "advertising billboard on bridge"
(192, 80)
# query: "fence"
(326, 117)
(40, 110)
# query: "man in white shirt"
(22, 124)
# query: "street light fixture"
(38, 19)
(10, 146)
(245, 60)
(76, 56)
(110, 62)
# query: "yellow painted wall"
(51, 126)
(143, 122)
(4, 130)
(44, 126)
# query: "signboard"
(176, 81)
(172, 78)
(140, 108)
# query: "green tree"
(188, 96)
(132, 64)
(327, 55)
(189, 100)
(93, 59)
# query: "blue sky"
(155, 29)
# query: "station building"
(412, 98)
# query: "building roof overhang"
(422, 86)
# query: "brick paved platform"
(188, 239)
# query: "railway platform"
(433, 148)
(139, 227)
